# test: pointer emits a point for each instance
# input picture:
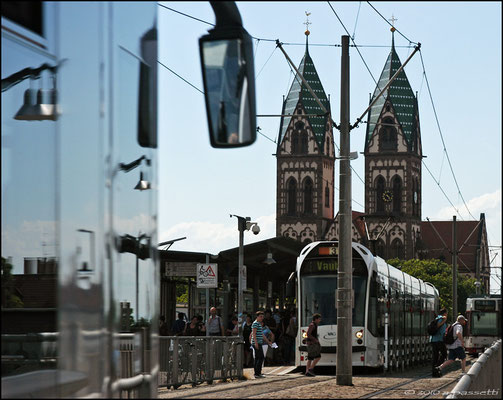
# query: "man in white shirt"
(456, 349)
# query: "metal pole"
(207, 295)
(137, 284)
(344, 276)
(477, 272)
(454, 270)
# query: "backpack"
(432, 327)
(448, 336)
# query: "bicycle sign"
(207, 275)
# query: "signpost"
(207, 275)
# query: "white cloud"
(206, 236)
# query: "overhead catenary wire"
(356, 46)
(181, 77)
(271, 40)
(356, 22)
(410, 41)
(323, 179)
(364, 62)
(442, 137)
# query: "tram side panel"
(73, 178)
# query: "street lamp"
(243, 224)
(477, 286)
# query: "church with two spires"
(390, 225)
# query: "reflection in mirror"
(227, 90)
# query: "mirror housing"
(229, 79)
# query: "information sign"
(207, 275)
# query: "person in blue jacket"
(437, 343)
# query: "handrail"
(468, 383)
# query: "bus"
(484, 323)
(391, 309)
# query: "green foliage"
(182, 293)
(439, 274)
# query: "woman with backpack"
(436, 328)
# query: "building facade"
(305, 160)
(391, 225)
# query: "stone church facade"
(390, 225)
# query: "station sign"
(207, 275)
(172, 269)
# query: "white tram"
(390, 314)
(484, 323)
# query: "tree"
(9, 298)
(439, 274)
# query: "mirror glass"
(231, 121)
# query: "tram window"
(373, 316)
(485, 305)
(318, 296)
(484, 323)
(28, 14)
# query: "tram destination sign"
(172, 269)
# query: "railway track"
(414, 383)
(419, 387)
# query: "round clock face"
(387, 196)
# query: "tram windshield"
(318, 283)
(484, 323)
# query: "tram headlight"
(359, 334)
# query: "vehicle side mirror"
(229, 85)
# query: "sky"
(457, 77)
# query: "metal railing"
(197, 359)
(484, 377)
(182, 359)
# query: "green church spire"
(300, 94)
(399, 93)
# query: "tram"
(391, 309)
(79, 188)
(484, 323)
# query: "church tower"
(305, 160)
(393, 166)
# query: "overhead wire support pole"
(416, 48)
(278, 44)
(344, 360)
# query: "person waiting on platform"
(313, 345)
(257, 340)
(194, 328)
(215, 326)
(178, 325)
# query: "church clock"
(387, 196)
